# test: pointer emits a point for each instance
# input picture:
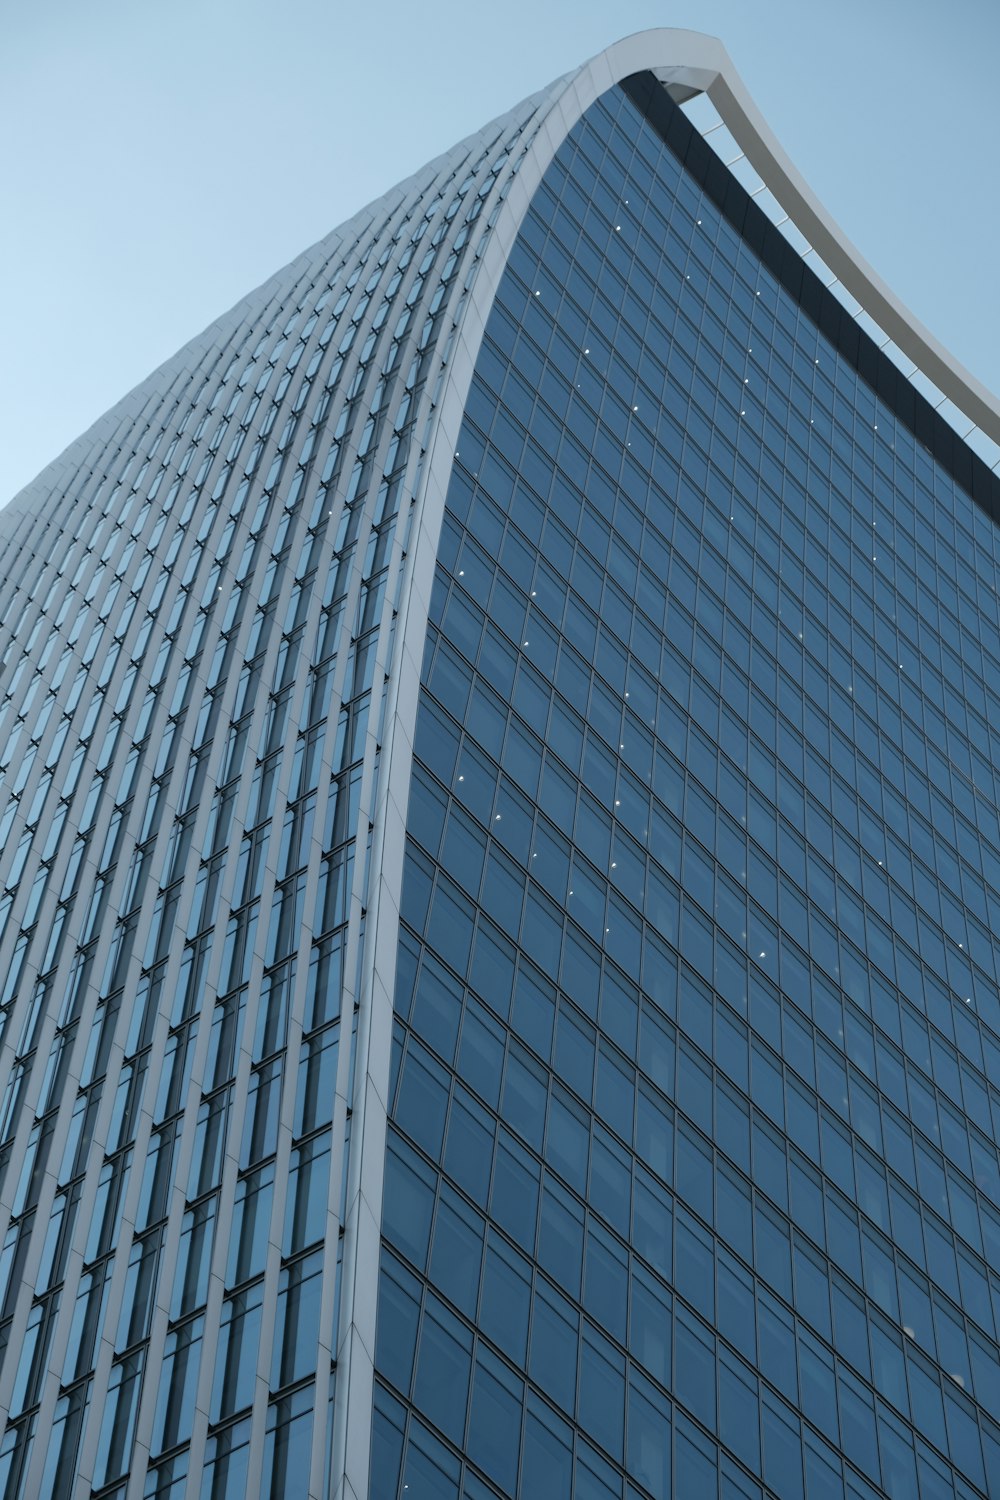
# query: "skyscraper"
(500, 857)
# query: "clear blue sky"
(159, 160)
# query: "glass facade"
(691, 1182)
(199, 607)
(499, 854)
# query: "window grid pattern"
(691, 1180)
(199, 605)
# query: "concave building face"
(498, 860)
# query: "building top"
(700, 66)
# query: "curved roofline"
(697, 64)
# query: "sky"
(160, 160)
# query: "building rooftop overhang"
(698, 73)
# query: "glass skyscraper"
(499, 858)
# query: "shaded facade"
(500, 865)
